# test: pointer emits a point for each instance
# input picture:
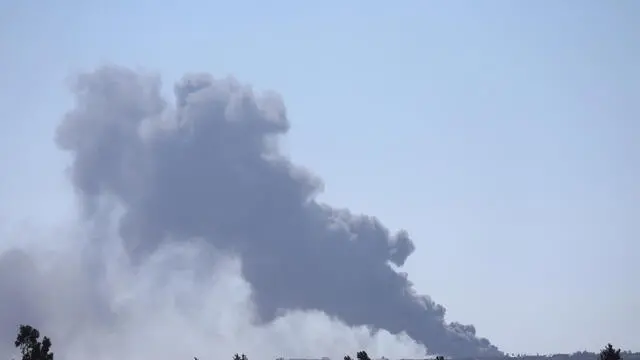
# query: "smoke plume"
(166, 307)
(205, 173)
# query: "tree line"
(33, 348)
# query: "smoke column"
(205, 172)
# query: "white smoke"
(186, 300)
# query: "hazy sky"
(503, 135)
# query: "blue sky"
(504, 135)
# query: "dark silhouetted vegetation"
(240, 357)
(361, 355)
(32, 348)
(609, 353)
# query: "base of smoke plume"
(177, 304)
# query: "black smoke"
(208, 167)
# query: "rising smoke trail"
(209, 168)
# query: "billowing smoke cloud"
(208, 168)
(163, 308)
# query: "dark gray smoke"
(209, 167)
